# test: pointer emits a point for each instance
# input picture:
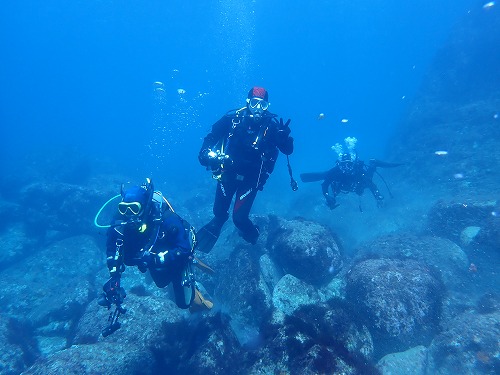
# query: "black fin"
(206, 238)
(312, 177)
(383, 164)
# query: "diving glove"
(113, 293)
(331, 202)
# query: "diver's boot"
(251, 235)
(200, 303)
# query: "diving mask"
(133, 208)
(258, 102)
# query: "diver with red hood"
(241, 151)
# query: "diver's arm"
(219, 130)
(331, 202)
(329, 178)
(324, 187)
(175, 245)
(286, 146)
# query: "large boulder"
(102, 358)
(315, 339)
(470, 343)
(399, 300)
(203, 346)
(451, 219)
(14, 346)
(15, 245)
(410, 362)
(60, 210)
(291, 293)
(44, 298)
(442, 254)
(304, 249)
(243, 292)
(55, 284)
(141, 323)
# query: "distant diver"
(349, 175)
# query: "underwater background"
(97, 93)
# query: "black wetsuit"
(356, 180)
(253, 147)
(127, 243)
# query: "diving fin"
(313, 176)
(200, 303)
(203, 266)
(208, 235)
(383, 164)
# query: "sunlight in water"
(236, 27)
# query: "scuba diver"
(148, 234)
(241, 151)
(349, 175)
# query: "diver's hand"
(331, 202)
(283, 125)
(113, 292)
(203, 157)
(283, 128)
(216, 160)
(380, 198)
(209, 158)
(147, 259)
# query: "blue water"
(80, 76)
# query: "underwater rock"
(399, 301)
(304, 249)
(141, 323)
(16, 353)
(58, 286)
(469, 234)
(15, 244)
(47, 301)
(411, 362)
(450, 219)
(316, 339)
(271, 274)
(64, 208)
(200, 347)
(442, 254)
(102, 358)
(241, 290)
(470, 343)
(291, 293)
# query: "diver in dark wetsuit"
(241, 150)
(149, 235)
(348, 175)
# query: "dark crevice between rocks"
(21, 333)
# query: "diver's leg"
(223, 197)
(208, 235)
(161, 277)
(242, 206)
